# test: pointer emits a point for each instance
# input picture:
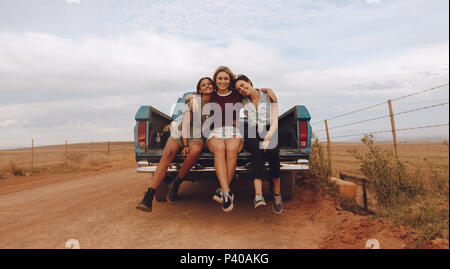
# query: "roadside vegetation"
(320, 170)
(319, 177)
(418, 199)
(412, 193)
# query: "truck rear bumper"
(145, 167)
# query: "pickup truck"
(152, 130)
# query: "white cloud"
(7, 123)
(43, 64)
(370, 2)
(331, 56)
(72, 1)
(91, 85)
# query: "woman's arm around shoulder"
(270, 94)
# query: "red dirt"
(98, 210)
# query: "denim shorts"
(225, 133)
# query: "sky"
(78, 70)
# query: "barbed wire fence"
(391, 116)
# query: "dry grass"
(54, 159)
(319, 174)
(387, 175)
(414, 154)
(319, 164)
(411, 190)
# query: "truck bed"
(151, 134)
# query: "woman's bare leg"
(257, 182)
(232, 147)
(169, 153)
(217, 147)
(195, 149)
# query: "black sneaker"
(218, 196)
(227, 201)
(172, 194)
(259, 201)
(146, 203)
(277, 206)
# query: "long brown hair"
(227, 70)
(242, 77)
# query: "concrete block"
(345, 188)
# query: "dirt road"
(98, 210)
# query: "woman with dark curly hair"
(191, 147)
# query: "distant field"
(88, 156)
(77, 158)
(437, 153)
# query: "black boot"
(146, 203)
(173, 189)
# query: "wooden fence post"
(343, 176)
(328, 147)
(394, 136)
(109, 147)
(65, 152)
(32, 155)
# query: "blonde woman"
(225, 141)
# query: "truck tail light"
(303, 126)
(142, 134)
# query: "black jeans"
(259, 156)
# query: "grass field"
(416, 154)
(95, 155)
(59, 159)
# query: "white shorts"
(225, 133)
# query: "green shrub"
(319, 165)
(413, 200)
(387, 175)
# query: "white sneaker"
(259, 201)
(218, 196)
(227, 204)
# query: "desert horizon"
(343, 160)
